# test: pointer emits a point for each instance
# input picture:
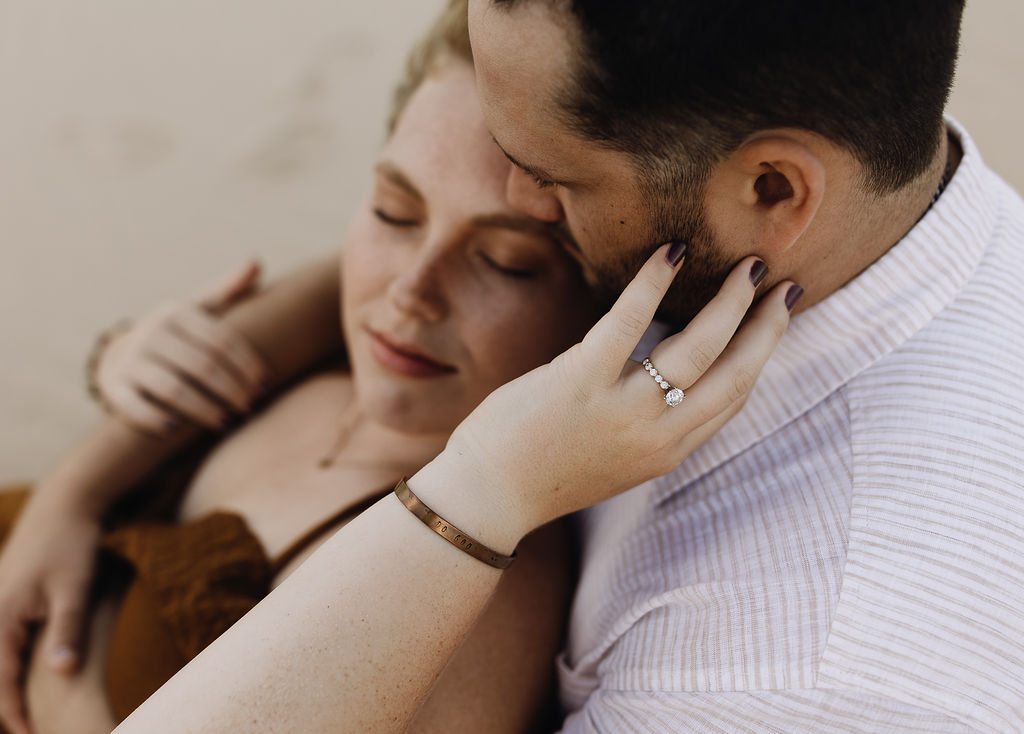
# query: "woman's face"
(447, 292)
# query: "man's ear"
(772, 187)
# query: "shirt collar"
(841, 336)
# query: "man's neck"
(870, 226)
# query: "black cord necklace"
(943, 182)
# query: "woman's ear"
(772, 187)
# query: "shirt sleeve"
(754, 712)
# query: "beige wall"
(146, 147)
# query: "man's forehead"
(522, 48)
(521, 61)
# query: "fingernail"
(757, 272)
(62, 656)
(793, 295)
(676, 252)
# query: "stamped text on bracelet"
(448, 531)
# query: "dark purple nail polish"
(757, 272)
(793, 295)
(676, 252)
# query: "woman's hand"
(593, 423)
(46, 572)
(182, 364)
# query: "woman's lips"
(405, 359)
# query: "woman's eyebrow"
(516, 223)
(394, 174)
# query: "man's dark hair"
(667, 81)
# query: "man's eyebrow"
(532, 170)
(393, 173)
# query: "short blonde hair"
(448, 38)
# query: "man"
(845, 555)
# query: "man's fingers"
(613, 338)
(235, 285)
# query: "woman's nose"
(524, 194)
(418, 290)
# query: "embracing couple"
(575, 274)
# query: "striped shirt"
(847, 555)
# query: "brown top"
(188, 583)
(191, 581)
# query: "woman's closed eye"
(392, 220)
(512, 272)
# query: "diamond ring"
(673, 395)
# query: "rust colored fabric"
(189, 582)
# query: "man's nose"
(525, 195)
(418, 291)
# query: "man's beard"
(697, 281)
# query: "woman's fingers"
(13, 639)
(161, 386)
(132, 407)
(729, 380)
(612, 339)
(225, 345)
(708, 334)
(236, 284)
(188, 362)
(64, 629)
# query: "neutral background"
(148, 147)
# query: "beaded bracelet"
(96, 353)
(448, 531)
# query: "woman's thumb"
(237, 284)
(64, 635)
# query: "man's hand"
(183, 364)
(46, 572)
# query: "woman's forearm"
(293, 324)
(354, 639)
(351, 642)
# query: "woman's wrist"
(464, 494)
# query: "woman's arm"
(46, 567)
(296, 322)
(291, 324)
(356, 637)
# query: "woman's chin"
(404, 413)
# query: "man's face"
(523, 59)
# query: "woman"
(447, 294)
(386, 628)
